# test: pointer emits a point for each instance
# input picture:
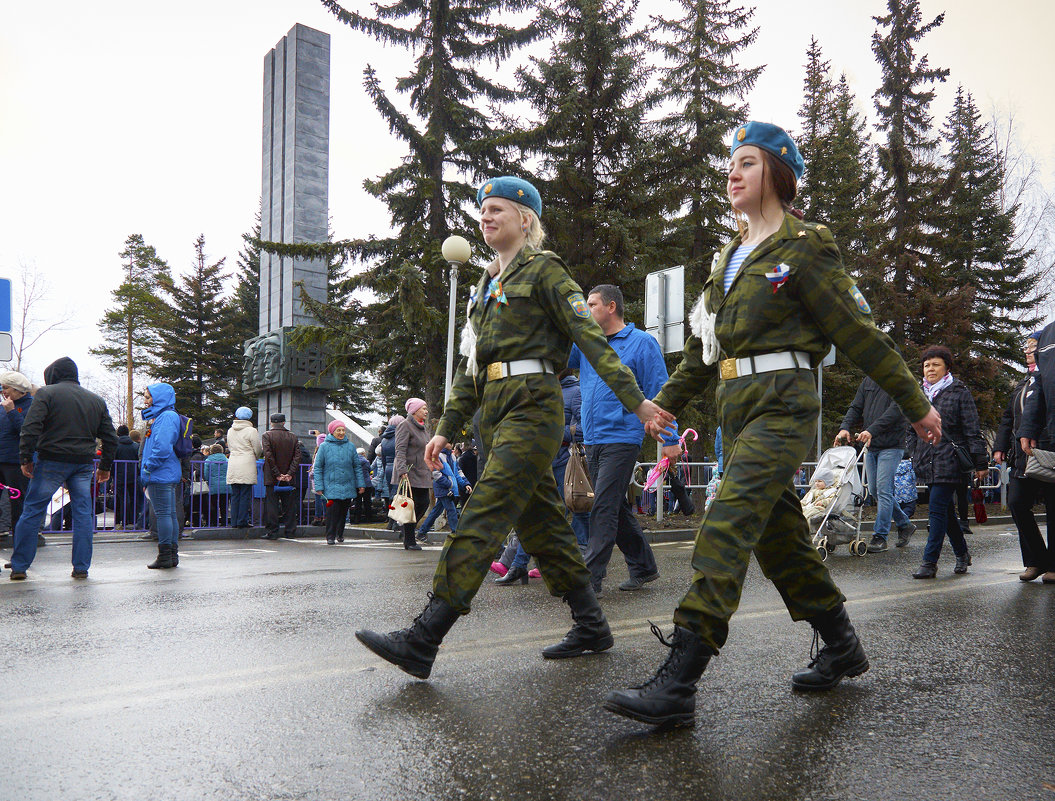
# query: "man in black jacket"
(282, 451)
(58, 447)
(884, 429)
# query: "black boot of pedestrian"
(514, 575)
(409, 543)
(164, 560)
(414, 649)
(669, 697)
(842, 655)
(174, 550)
(962, 563)
(590, 632)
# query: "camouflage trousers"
(770, 420)
(522, 426)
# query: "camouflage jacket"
(544, 313)
(792, 293)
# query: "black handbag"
(964, 461)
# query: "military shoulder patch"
(859, 299)
(578, 305)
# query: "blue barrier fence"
(121, 503)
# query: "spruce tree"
(589, 134)
(909, 236)
(129, 328)
(981, 257)
(815, 116)
(196, 349)
(451, 147)
(702, 81)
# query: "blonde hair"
(533, 229)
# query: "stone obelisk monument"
(294, 208)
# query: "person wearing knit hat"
(333, 425)
(16, 400)
(410, 441)
(339, 478)
(243, 442)
(775, 301)
(524, 313)
(1023, 492)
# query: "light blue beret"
(243, 413)
(516, 189)
(772, 138)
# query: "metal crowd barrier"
(700, 474)
(121, 503)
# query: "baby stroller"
(841, 521)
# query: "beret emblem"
(740, 135)
(783, 151)
(488, 188)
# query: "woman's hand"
(657, 421)
(981, 475)
(432, 452)
(998, 457)
(928, 427)
(1027, 445)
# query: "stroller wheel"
(858, 548)
(823, 552)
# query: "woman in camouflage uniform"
(523, 316)
(776, 298)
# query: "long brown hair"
(776, 175)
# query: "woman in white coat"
(243, 440)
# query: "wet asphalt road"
(236, 676)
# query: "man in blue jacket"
(613, 440)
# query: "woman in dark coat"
(937, 465)
(411, 439)
(1022, 492)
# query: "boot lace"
(669, 666)
(413, 629)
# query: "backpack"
(183, 447)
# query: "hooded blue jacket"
(159, 463)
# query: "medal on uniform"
(494, 290)
(778, 275)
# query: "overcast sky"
(126, 116)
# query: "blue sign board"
(5, 304)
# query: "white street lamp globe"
(457, 249)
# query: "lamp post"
(456, 251)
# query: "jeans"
(942, 520)
(880, 466)
(445, 504)
(241, 505)
(163, 496)
(580, 521)
(47, 477)
(612, 521)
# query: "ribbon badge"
(494, 290)
(778, 276)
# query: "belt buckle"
(727, 369)
(494, 371)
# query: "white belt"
(763, 363)
(497, 370)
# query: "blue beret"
(1036, 334)
(772, 138)
(516, 189)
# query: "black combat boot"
(164, 560)
(414, 649)
(514, 575)
(841, 656)
(669, 697)
(590, 632)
